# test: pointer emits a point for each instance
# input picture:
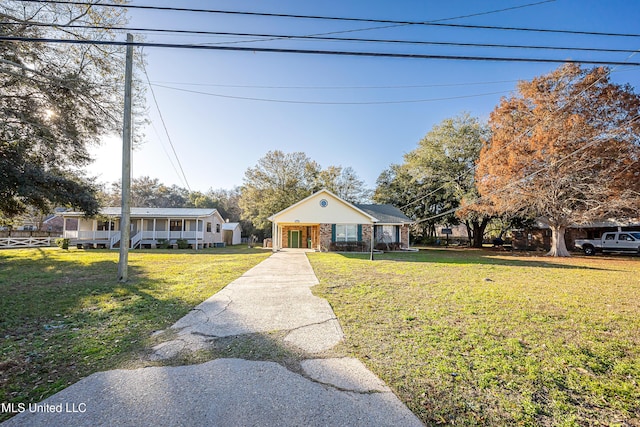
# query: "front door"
(294, 238)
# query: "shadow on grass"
(469, 257)
(63, 319)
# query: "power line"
(155, 100)
(527, 177)
(414, 86)
(336, 18)
(286, 101)
(323, 38)
(315, 52)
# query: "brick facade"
(306, 232)
(325, 237)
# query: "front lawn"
(472, 337)
(65, 316)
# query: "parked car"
(626, 241)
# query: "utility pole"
(125, 219)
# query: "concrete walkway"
(273, 296)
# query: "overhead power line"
(348, 19)
(316, 52)
(286, 101)
(164, 125)
(324, 38)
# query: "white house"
(325, 222)
(232, 233)
(201, 228)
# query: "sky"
(362, 112)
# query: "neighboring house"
(325, 222)
(231, 233)
(53, 224)
(201, 228)
(539, 236)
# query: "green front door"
(294, 238)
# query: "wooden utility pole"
(125, 219)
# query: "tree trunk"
(478, 232)
(469, 232)
(558, 245)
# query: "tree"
(149, 192)
(565, 148)
(344, 183)
(438, 177)
(56, 100)
(282, 179)
(276, 182)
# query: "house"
(325, 222)
(231, 233)
(150, 227)
(53, 224)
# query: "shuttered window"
(346, 233)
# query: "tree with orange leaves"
(565, 148)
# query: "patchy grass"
(470, 337)
(65, 316)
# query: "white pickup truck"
(625, 241)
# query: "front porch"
(296, 236)
(145, 233)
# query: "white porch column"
(168, 229)
(154, 229)
(182, 229)
(94, 228)
(274, 237)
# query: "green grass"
(469, 337)
(65, 316)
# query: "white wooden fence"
(24, 242)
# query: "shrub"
(163, 244)
(62, 243)
(182, 243)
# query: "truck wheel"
(589, 250)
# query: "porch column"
(196, 234)
(64, 227)
(274, 237)
(94, 227)
(154, 229)
(182, 229)
(169, 229)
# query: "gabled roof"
(154, 212)
(324, 191)
(386, 214)
(230, 225)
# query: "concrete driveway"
(273, 296)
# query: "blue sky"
(217, 138)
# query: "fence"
(24, 242)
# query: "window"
(208, 227)
(217, 228)
(610, 236)
(346, 233)
(624, 237)
(104, 226)
(386, 233)
(175, 225)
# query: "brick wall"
(303, 235)
(325, 237)
(404, 236)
